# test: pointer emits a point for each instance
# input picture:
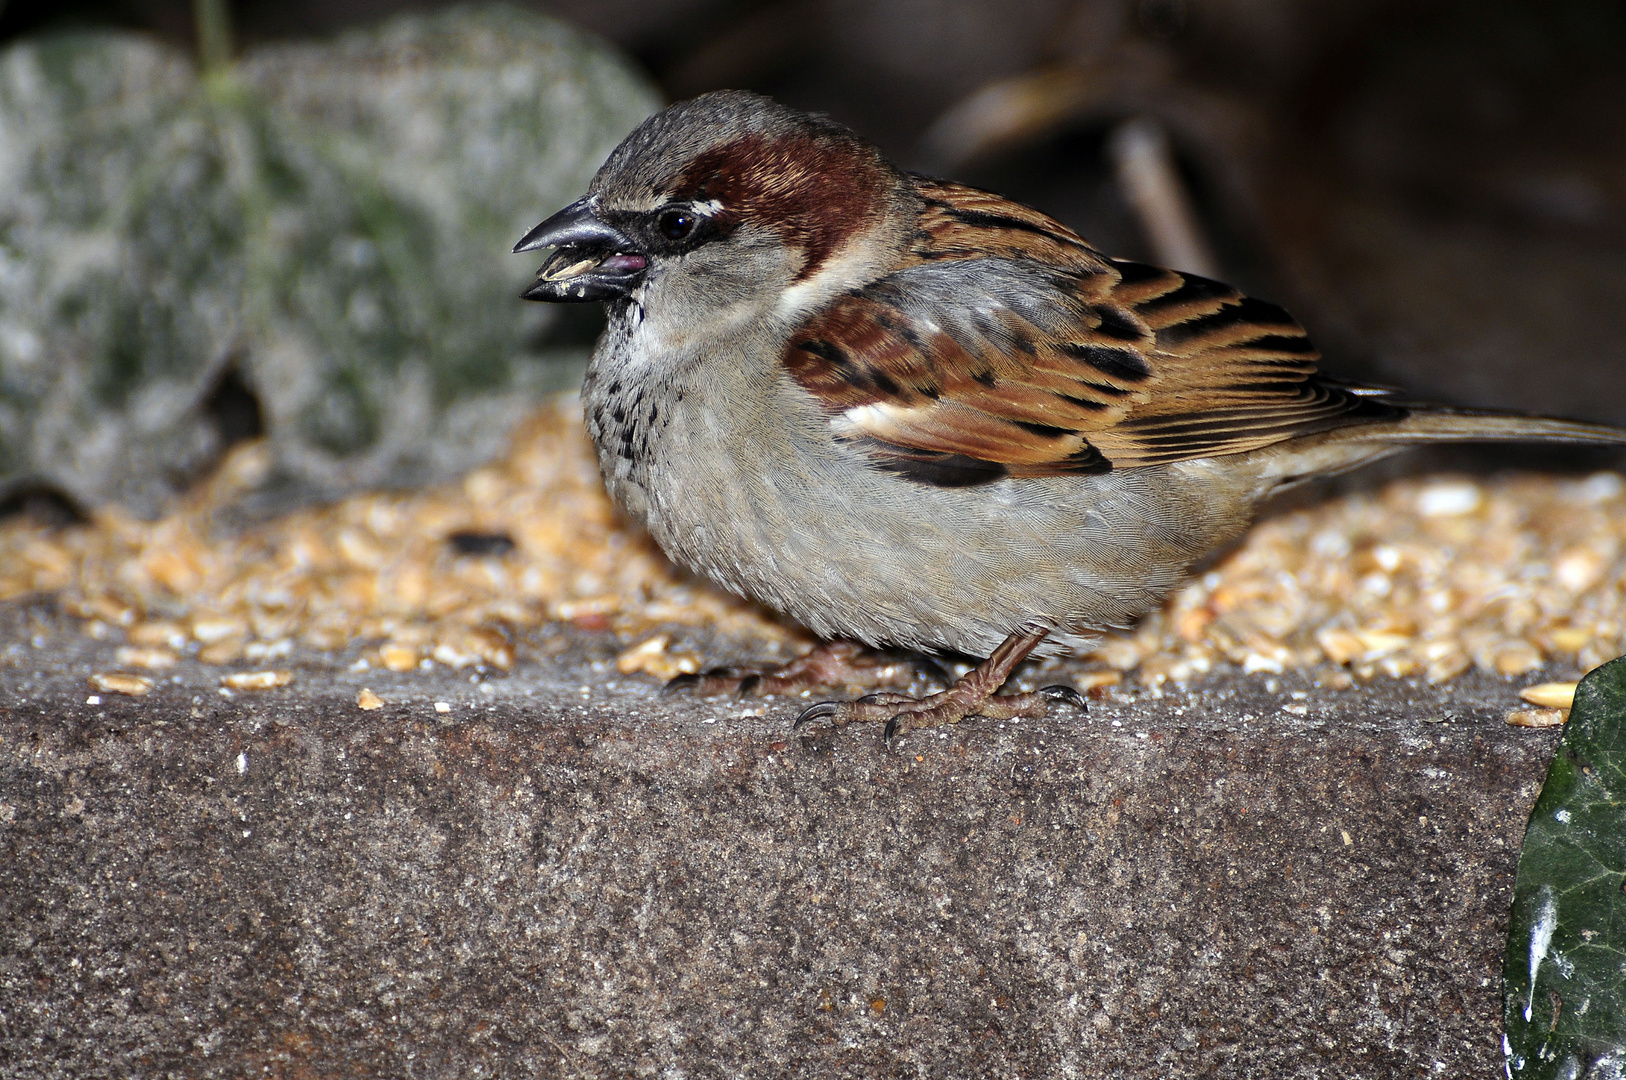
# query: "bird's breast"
(746, 483)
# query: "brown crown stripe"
(815, 189)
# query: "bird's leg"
(829, 663)
(972, 695)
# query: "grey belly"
(850, 551)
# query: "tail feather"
(1332, 452)
(1437, 425)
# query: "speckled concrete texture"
(565, 875)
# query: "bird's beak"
(594, 260)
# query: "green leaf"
(1564, 976)
(333, 220)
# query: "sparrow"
(913, 414)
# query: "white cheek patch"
(855, 264)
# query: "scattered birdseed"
(1551, 695)
(257, 680)
(1537, 717)
(652, 658)
(152, 659)
(1096, 680)
(1427, 577)
(117, 682)
(367, 701)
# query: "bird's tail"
(1342, 449)
(1433, 424)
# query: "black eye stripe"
(678, 228)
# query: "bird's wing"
(1011, 347)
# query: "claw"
(889, 731)
(1062, 692)
(749, 684)
(821, 711)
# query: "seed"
(1092, 680)
(209, 631)
(1551, 695)
(1448, 499)
(118, 682)
(256, 680)
(1433, 575)
(152, 659)
(1537, 717)
(1517, 658)
(399, 657)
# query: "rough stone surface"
(567, 874)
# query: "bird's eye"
(676, 224)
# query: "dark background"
(1436, 187)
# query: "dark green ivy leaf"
(328, 222)
(1564, 976)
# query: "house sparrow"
(910, 413)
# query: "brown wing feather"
(1011, 347)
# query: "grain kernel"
(1377, 643)
(1447, 667)
(1341, 646)
(221, 652)
(151, 659)
(117, 682)
(651, 658)
(209, 631)
(1537, 717)
(158, 635)
(1551, 695)
(1092, 680)
(398, 657)
(1518, 658)
(1569, 639)
(257, 680)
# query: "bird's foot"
(830, 663)
(972, 695)
(902, 713)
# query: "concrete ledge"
(547, 883)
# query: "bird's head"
(729, 203)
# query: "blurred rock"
(327, 226)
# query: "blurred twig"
(1006, 113)
(1150, 181)
(212, 19)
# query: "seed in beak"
(581, 266)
